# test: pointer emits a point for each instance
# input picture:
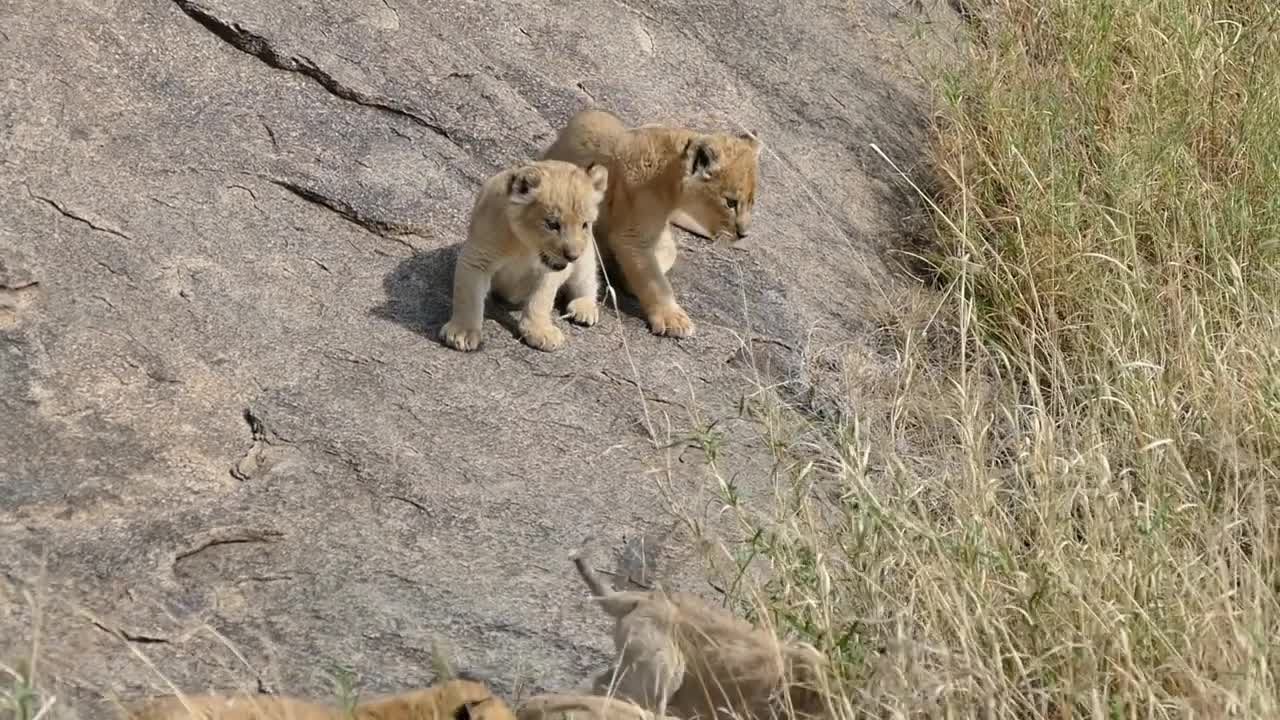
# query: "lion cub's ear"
(599, 180)
(700, 159)
(752, 139)
(524, 185)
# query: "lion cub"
(456, 699)
(529, 236)
(677, 655)
(655, 173)
(562, 706)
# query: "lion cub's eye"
(731, 203)
(553, 225)
(584, 225)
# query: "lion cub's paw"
(584, 311)
(543, 335)
(671, 321)
(460, 338)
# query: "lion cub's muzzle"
(555, 264)
(728, 236)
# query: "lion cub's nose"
(571, 256)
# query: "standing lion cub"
(529, 236)
(678, 656)
(655, 173)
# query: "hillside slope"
(226, 239)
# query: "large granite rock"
(232, 452)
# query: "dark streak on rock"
(162, 202)
(256, 45)
(131, 637)
(382, 228)
(270, 133)
(409, 501)
(112, 270)
(254, 536)
(76, 216)
(251, 462)
(619, 380)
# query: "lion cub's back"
(230, 707)
(590, 136)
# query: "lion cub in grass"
(677, 655)
(456, 699)
(657, 173)
(529, 237)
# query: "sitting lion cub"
(456, 699)
(678, 655)
(657, 173)
(530, 234)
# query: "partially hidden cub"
(566, 706)
(656, 173)
(529, 237)
(456, 699)
(677, 655)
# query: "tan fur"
(657, 173)
(561, 706)
(529, 237)
(678, 655)
(451, 700)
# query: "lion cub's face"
(553, 205)
(720, 183)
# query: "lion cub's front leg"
(470, 289)
(645, 276)
(537, 326)
(583, 288)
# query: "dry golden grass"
(1054, 492)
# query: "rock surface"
(233, 453)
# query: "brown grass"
(1054, 493)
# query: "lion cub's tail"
(616, 604)
(589, 576)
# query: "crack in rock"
(258, 457)
(229, 537)
(410, 501)
(386, 229)
(626, 381)
(258, 46)
(131, 637)
(77, 216)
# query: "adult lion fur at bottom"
(679, 656)
(564, 706)
(455, 699)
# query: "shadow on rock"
(420, 294)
